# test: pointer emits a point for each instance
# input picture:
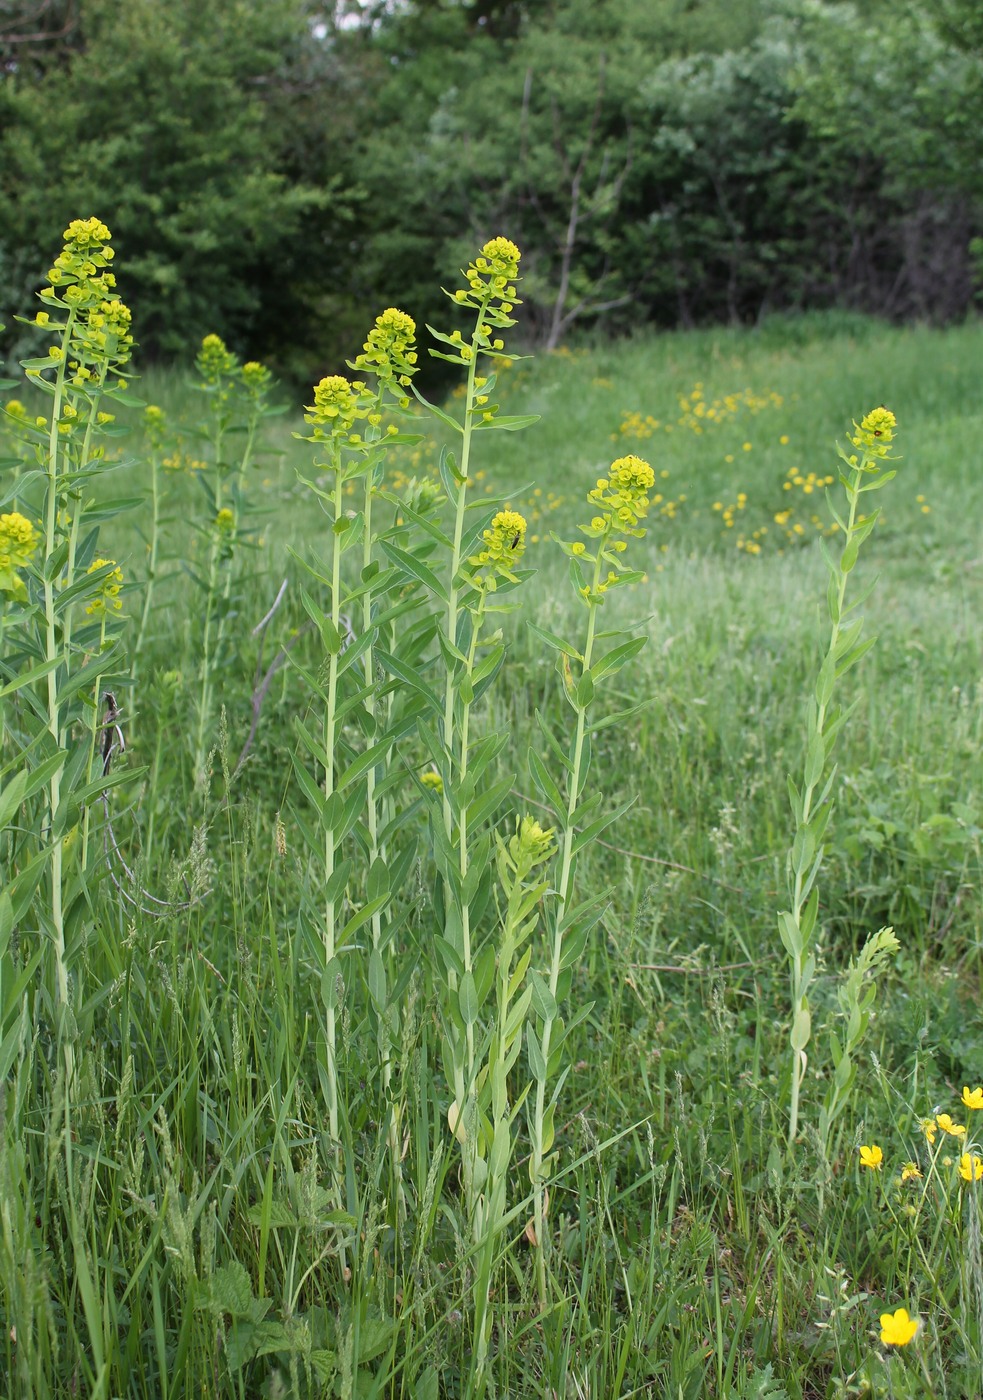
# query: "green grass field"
(690, 1254)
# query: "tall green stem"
(800, 1003)
(93, 731)
(152, 565)
(329, 836)
(556, 952)
(52, 657)
(462, 1072)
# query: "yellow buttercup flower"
(897, 1328)
(972, 1098)
(910, 1172)
(970, 1168)
(871, 1157)
(928, 1128)
(947, 1125)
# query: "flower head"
(970, 1167)
(78, 276)
(18, 541)
(505, 544)
(432, 780)
(155, 424)
(489, 278)
(897, 1328)
(109, 589)
(947, 1125)
(972, 1098)
(215, 361)
(337, 406)
(389, 351)
(928, 1127)
(530, 846)
(871, 1157)
(256, 381)
(910, 1172)
(875, 432)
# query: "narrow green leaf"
(554, 642)
(415, 568)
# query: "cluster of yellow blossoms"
(970, 1164)
(389, 349)
(505, 544)
(107, 599)
(18, 541)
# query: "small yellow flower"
(970, 1168)
(388, 350)
(972, 1098)
(897, 1329)
(947, 1125)
(871, 1157)
(875, 433)
(108, 596)
(910, 1172)
(214, 360)
(431, 779)
(928, 1128)
(18, 541)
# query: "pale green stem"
(205, 700)
(556, 954)
(494, 1213)
(798, 900)
(54, 714)
(329, 838)
(450, 689)
(93, 731)
(76, 522)
(477, 619)
(152, 564)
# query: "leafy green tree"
(159, 124)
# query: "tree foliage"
(274, 168)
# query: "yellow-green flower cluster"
(338, 405)
(155, 425)
(505, 544)
(215, 361)
(225, 521)
(179, 461)
(490, 276)
(79, 277)
(531, 845)
(622, 498)
(389, 349)
(104, 336)
(107, 599)
(432, 780)
(875, 432)
(18, 541)
(257, 381)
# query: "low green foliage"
(417, 1024)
